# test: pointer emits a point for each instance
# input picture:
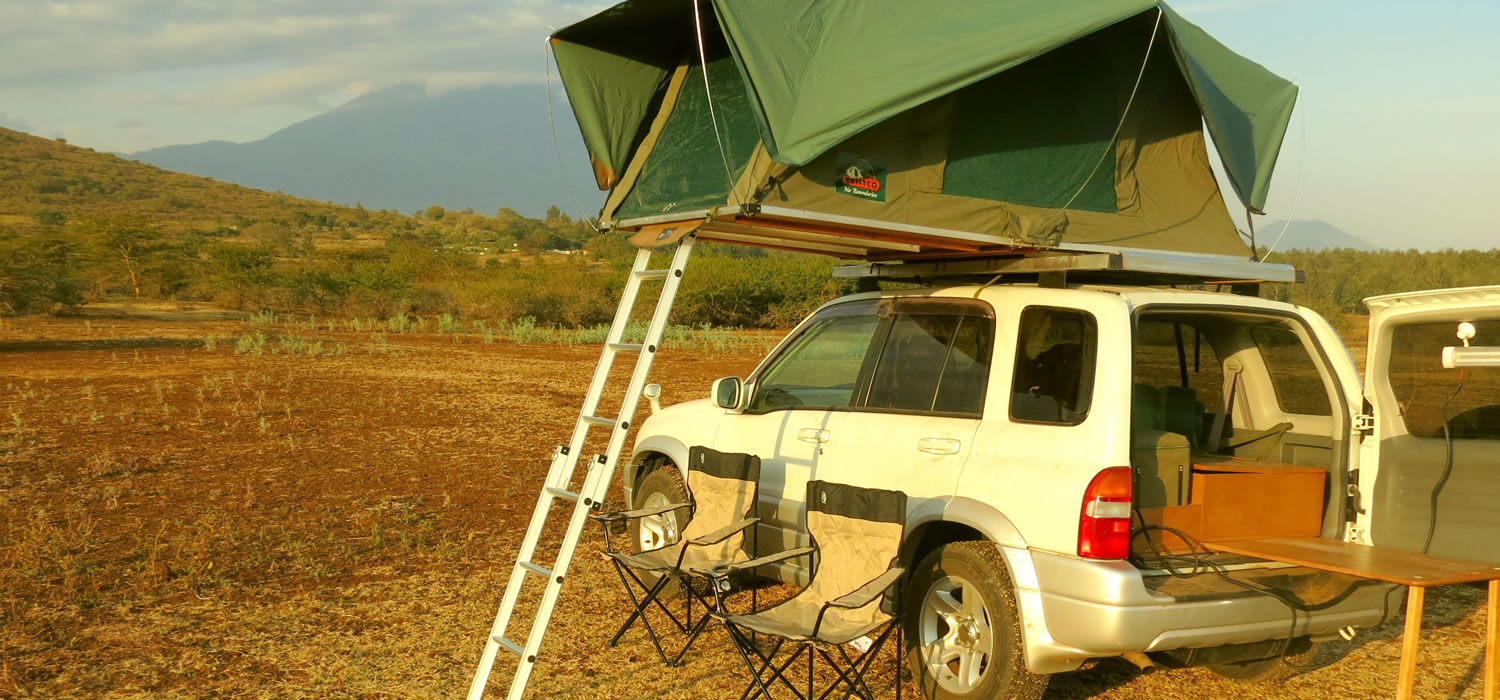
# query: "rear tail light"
(1104, 520)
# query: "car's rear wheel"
(963, 629)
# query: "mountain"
(403, 148)
(1309, 235)
(48, 183)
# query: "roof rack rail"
(1133, 266)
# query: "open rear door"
(1435, 429)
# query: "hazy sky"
(1400, 101)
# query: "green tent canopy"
(893, 129)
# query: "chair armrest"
(867, 593)
(722, 533)
(637, 513)
(718, 572)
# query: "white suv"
(1042, 434)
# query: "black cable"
(1437, 489)
(1197, 552)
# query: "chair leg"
(640, 603)
(737, 640)
(760, 683)
(852, 672)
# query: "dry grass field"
(333, 513)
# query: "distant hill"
(46, 179)
(401, 148)
(1310, 235)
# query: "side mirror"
(728, 392)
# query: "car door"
(812, 376)
(1436, 429)
(912, 427)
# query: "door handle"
(812, 435)
(938, 446)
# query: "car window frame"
(861, 381)
(887, 308)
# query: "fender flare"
(964, 511)
(658, 444)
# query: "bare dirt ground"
(338, 520)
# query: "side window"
(1429, 395)
(935, 359)
(820, 367)
(1054, 379)
(1294, 375)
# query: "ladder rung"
(562, 494)
(651, 274)
(626, 347)
(596, 420)
(507, 644)
(541, 571)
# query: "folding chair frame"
(853, 670)
(650, 593)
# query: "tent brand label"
(860, 178)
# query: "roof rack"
(1131, 266)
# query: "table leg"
(1492, 644)
(1408, 677)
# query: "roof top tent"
(887, 130)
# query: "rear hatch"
(1430, 466)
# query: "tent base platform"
(908, 252)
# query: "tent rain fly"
(886, 129)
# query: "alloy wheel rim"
(956, 634)
(657, 531)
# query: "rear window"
(1294, 375)
(1054, 378)
(1428, 394)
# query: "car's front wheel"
(963, 628)
(662, 487)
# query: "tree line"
(555, 269)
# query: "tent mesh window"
(685, 170)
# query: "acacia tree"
(126, 242)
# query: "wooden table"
(1412, 569)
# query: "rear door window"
(1054, 378)
(935, 358)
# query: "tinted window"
(933, 361)
(1054, 366)
(1422, 386)
(820, 367)
(1294, 375)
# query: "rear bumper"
(1074, 609)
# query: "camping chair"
(723, 490)
(856, 533)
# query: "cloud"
(11, 121)
(128, 124)
(274, 51)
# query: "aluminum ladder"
(601, 469)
